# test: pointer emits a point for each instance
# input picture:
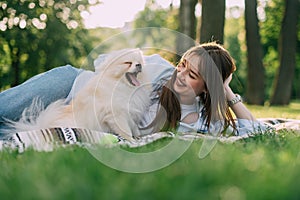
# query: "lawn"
(290, 111)
(262, 167)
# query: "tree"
(212, 21)
(187, 25)
(234, 29)
(255, 93)
(287, 51)
(269, 32)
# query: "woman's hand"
(239, 108)
(227, 81)
(228, 92)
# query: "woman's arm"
(239, 109)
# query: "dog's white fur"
(108, 102)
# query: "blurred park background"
(263, 36)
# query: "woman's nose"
(182, 71)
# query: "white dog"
(111, 101)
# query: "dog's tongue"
(134, 80)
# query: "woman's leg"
(49, 86)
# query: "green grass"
(261, 167)
(290, 111)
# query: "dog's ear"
(105, 60)
(99, 61)
(140, 56)
(119, 57)
(100, 66)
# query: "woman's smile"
(180, 83)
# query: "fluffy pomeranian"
(113, 100)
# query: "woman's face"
(188, 83)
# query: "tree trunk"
(187, 26)
(15, 65)
(212, 21)
(255, 93)
(287, 54)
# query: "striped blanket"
(48, 139)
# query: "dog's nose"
(138, 67)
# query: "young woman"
(194, 96)
(198, 96)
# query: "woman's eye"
(192, 76)
(128, 63)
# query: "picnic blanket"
(48, 139)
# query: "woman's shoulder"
(157, 68)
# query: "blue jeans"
(49, 86)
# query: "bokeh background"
(261, 35)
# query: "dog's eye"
(128, 63)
